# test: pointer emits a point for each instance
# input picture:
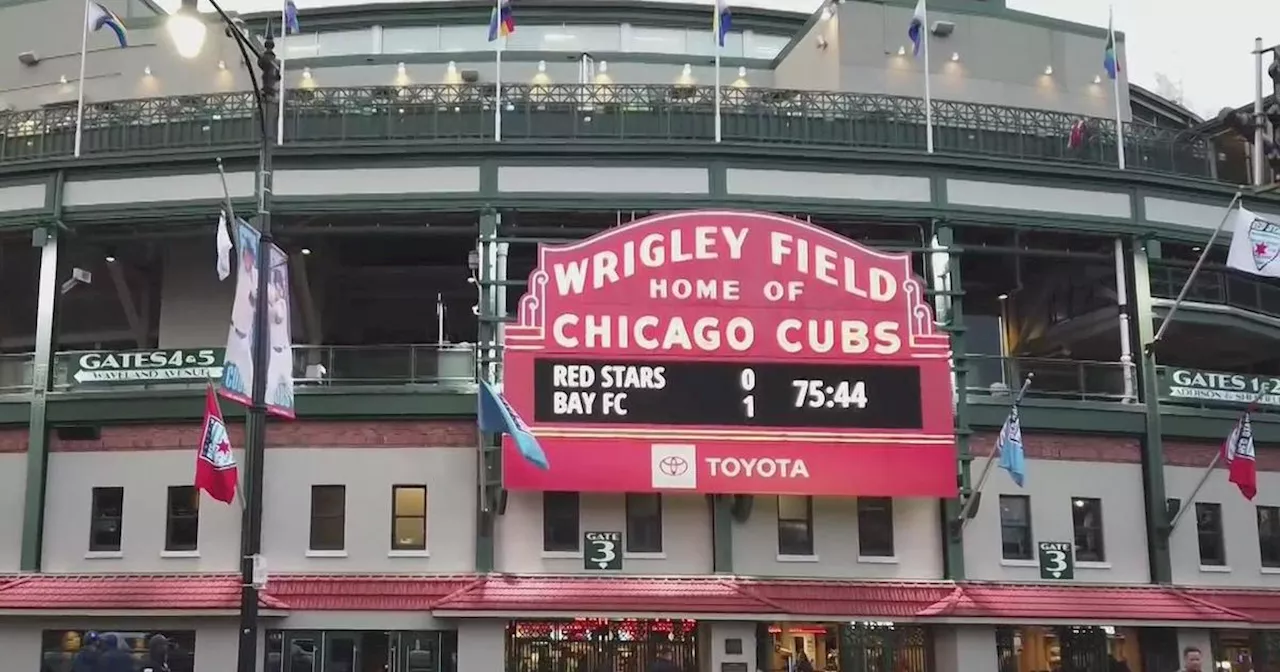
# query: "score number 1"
(747, 381)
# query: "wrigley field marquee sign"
(1213, 388)
(133, 367)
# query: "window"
(59, 647)
(182, 519)
(328, 517)
(1086, 522)
(408, 517)
(106, 515)
(795, 525)
(1269, 535)
(560, 521)
(1015, 527)
(644, 523)
(1209, 534)
(875, 527)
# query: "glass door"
(418, 652)
(341, 652)
(299, 652)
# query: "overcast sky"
(1203, 48)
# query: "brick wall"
(1077, 448)
(13, 440)
(297, 434)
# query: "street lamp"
(187, 30)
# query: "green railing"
(444, 114)
(1070, 379)
(1215, 286)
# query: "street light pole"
(188, 31)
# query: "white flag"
(1255, 244)
(224, 248)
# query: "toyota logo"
(673, 465)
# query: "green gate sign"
(602, 551)
(1214, 388)
(133, 367)
(1057, 560)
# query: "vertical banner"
(280, 337)
(237, 363)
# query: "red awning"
(552, 596)
(1258, 606)
(572, 595)
(125, 592)
(366, 593)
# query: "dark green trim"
(341, 403)
(721, 533)
(1054, 415)
(531, 13)
(1153, 486)
(1219, 315)
(318, 63)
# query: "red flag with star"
(216, 471)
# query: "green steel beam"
(489, 472)
(721, 533)
(1152, 444)
(38, 430)
(953, 535)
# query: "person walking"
(114, 658)
(1192, 660)
(86, 659)
(157, 654)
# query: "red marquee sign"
(730, 352)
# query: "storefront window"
(353, 651)
(592, 644)
(60, 647)
(1069, 649)
(847, 647)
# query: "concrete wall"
(865, 48)
(1239, 533)
(1052, 485)
(216, 638)
(368, 474)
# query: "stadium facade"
(391, 540)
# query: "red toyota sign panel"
(730, 352)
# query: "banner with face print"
(238, 366)
(280, 337)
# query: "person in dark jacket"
(157, 654)
(662, 662)
(114, 658)
(86, 659)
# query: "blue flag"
(497, 416)
(1009, 444)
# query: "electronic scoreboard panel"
(727, 393)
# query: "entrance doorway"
(361, 651)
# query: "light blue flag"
(497, 416)
(1009, 443)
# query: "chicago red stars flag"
(1237, 452)
(1255, 244)
(216, 471)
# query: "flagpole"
(284, 32)
(1115, 87)
(1186, 286)
(715, 9)
(928, 96)
(84, 48)
(498, 46)
(1217, 457)
(991, 460)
